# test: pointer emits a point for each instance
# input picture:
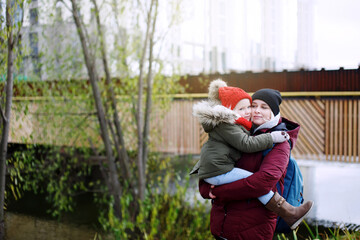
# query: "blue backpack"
(293, 190)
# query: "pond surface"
(21, 227)
(334, 187)
(27, 218)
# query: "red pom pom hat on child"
(230, 96)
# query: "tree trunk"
(140, 115)
(124, 159)
(6, 118)
(93, 76)
(150, 79)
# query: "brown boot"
(291, 215)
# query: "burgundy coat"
(236, 213)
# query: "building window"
(36, 65)
(34, 44)
(34, 16)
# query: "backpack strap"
(278, 183)
(265, 152)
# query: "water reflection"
(334, 187)
(20, 227)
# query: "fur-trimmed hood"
(210, 114)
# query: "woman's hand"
(205, 189)
(212, 196)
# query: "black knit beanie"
(271, 97)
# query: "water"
(28, 219)
(20, 227)
(335, 188)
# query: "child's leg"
(231, 176)
(234, 175)
(264, 199)
(293, 216)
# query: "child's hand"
(280, 136)
(212, 196)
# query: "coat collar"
(292, 128)
(270, 124)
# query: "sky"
(337, 33)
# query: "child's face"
(261, 112)
(243, 108)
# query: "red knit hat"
(230, 96)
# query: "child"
(226, 118)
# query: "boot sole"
(297, 223)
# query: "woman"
(236, 213)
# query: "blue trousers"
(234, 175)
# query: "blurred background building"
(257, 35)
(213, 36)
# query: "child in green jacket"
(226, 118)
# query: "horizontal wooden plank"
(329, 127)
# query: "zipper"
(222, 226)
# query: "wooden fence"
(329, 126)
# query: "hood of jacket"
(211, 113)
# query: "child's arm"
(240, 139)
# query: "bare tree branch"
(119, 138)
(140, 123)
(121, 35)
(18, 33)
(149, 86)
(66, 6)
(93, 77)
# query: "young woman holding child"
(236, 213)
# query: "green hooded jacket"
(226, 140)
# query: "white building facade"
(211, 35)
(254, 35)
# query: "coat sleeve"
(241, 140)
(261, 182)
(204, 189)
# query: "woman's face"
(243, 108)
(260, 111)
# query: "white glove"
(279, 136)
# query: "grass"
(307, 232)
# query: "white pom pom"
(214, 89)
